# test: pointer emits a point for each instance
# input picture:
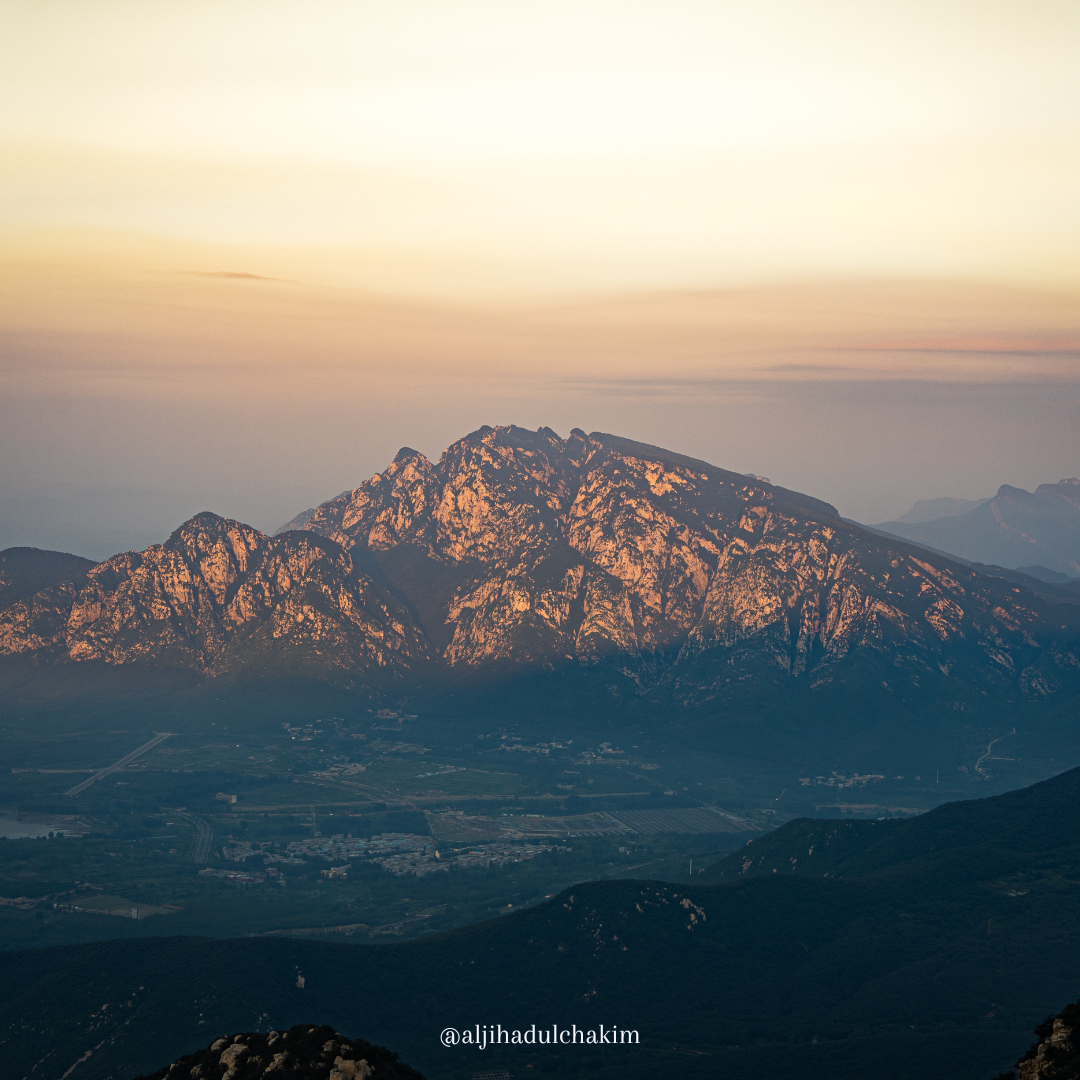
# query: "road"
(204, 834)
(986, 756)
(160, 737)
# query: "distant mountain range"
(1038, 533)
(826, 950)
(932, 509)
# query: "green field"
(309, 761)
(133, 834)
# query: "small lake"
(14, 829)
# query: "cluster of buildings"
(342, 769)
(430, 860)
(840, 780)
(398, 853)
(339, 847)
(605, 754)
(243, 877)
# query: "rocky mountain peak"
(597, 545)
(522, 546)
(304, 1052)
(217, 595)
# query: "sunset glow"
(532, 206)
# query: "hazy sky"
(835, 243)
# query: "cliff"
(1056, 1055)
(219, 595)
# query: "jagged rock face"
(1056, 1056)
(595, 546)
(301, 1053)
(1052, 1054)
(522, 546)
(215, 595)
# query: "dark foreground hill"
(1056, 1054)
(930, 949)
(1022, 828)
(301, 1053)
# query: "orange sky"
(674, 221)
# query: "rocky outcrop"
(596, 546)
(301, 1053)
(520, 546)
(1056, 1056)
(220, 595)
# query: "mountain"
(301, 1052)
(521, 547)
(582, 588)
(1013, 529)
(217, 596)
(25, 571)
(923, 948)
(932, 509)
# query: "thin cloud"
(235, 274)
(984, 346)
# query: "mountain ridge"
(520, 547)
(213, 591)
(1015, 528)
(856, 849)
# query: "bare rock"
(301, 1053)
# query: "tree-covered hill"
(1022, 827)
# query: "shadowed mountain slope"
(1018, 823)
(25, 571)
